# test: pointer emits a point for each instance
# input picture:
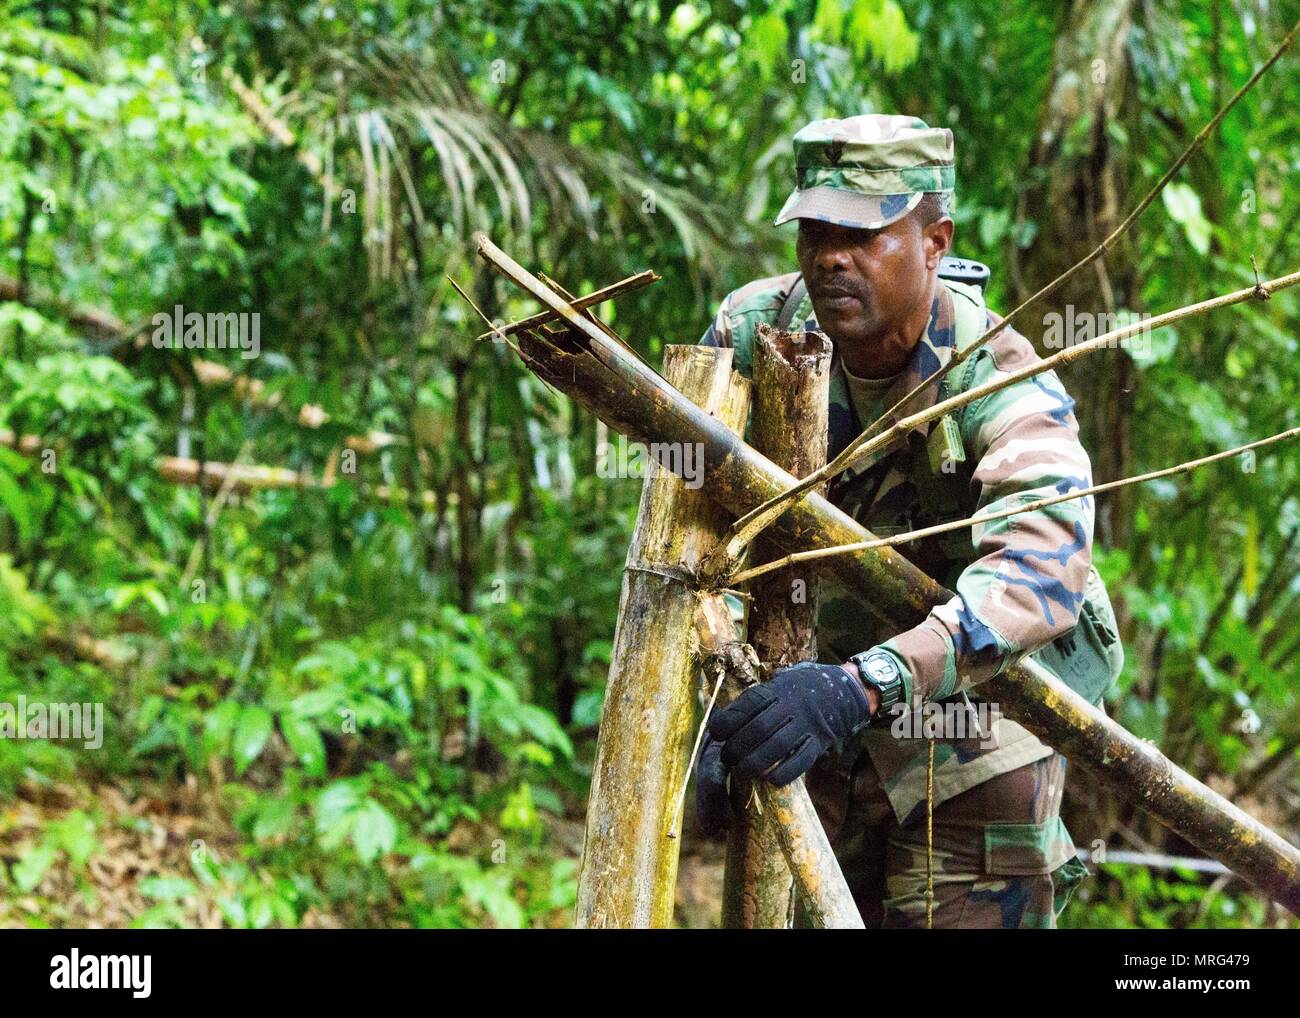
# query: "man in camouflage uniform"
(872, 203)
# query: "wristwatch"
(880, 672)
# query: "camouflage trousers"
(1001, 856)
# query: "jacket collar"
(932, 352)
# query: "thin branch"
(961, 356)
(749, 526)
(214, 512)
(892, 416)
(596, 297)
(276, 128)
(695, 751)
(978, 518)
(597, 336)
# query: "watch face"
(881, 668)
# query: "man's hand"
(712, 800)
(777, 730)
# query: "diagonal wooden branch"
(629, 397)
(590, 300)
(1028, 507)
(585, 312)
(563, 309)
(749, 526)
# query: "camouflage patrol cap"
(867, 171)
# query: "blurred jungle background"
(354, 677)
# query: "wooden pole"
(788, 425)
(788, 810)
(243, 478)
(249, 477)
(624, 393)
(629, 867)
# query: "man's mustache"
(839, 288)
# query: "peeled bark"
(629, 868)
(788, 424)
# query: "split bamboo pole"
(788, 425)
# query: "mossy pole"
(788, 425)
(629, 865)
(628, 396)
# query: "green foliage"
(1132, 897)
(386, 708)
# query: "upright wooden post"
(629, 867)
(788, 425)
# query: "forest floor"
(148, 834)
(144, 838)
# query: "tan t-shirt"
(867, 394)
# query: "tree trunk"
(1076, 200)
(791, 394)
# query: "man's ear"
(938, 241)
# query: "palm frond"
(524, 184)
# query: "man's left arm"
(1026, 586)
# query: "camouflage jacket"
(1023, 584)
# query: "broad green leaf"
(32, 865)
(305, 740)
(374, 831)
(251, 733)
(167, 888)
(15, 502)
(275, 816)
(1184, 206)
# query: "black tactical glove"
(712, 801)
(778, 729)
